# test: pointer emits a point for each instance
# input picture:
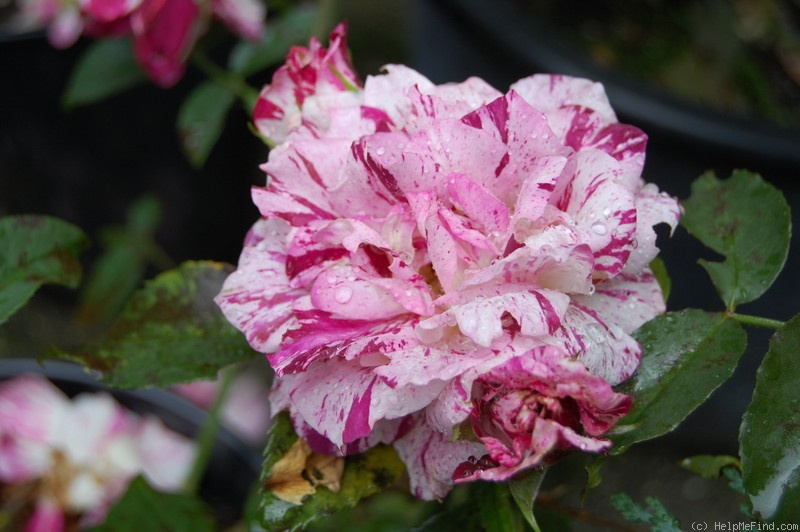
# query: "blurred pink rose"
(164, 32)
(417, 239)
(80, 454)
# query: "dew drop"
(599, 228)
(606, 211)
(343, 294)
(381, 150)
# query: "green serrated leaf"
(201, 120)
(710, 466)
(170, 332)
(143, 508)
(36, 250)
(364, 474)
(524, 489)
(748, 221)
(686, 356)
(108, 67)
(292, 28)
(769, 439)
(662, 520)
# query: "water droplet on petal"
(606, 211)
(599, 228)
(381, 150)
(343, 294)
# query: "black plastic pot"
(233, 467)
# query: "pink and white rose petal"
(435, 259)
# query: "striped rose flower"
(430, 255)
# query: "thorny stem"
(247, 94)
(757, 321)
(208, 432)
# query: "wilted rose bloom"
(164, 32)
(68, 460)
(531, 408)
(435, 254)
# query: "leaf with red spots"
(748, 221)
(170, 332)
(686, 355)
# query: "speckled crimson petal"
(431, 457)
(546, 437)
(604, 210)
(306, 73)
(257, 298)
(626, 300)
(550, 92)
(342, 400)
(604, 348)
(537, 313)
(652, 208)
(302, 176)
(526, 137)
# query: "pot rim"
(521, 36)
